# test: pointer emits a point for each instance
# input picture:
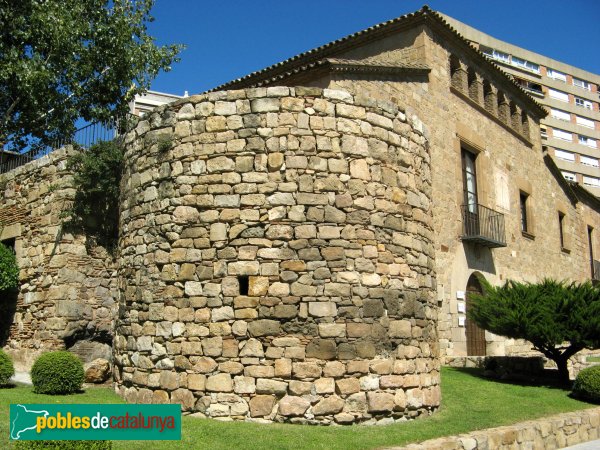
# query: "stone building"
(522, 221)
(306, 253)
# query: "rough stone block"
(264, 327)
(267, 386)
(329, 405)
(380, 402)
(219, 383)
(262, 405)
(293, 406)
(244, 385)
(322, 309)
(306, 370)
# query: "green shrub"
(6, 368)
(587, 384)
(64, 445)
(57, 373)
(9, 271)
(96, 179)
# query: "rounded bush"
(57, 373)
(6, 368)
(587, 384)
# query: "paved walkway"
(21, 377)
(591, 445)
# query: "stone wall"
(548, 433)
(67, 285)
(276, 259)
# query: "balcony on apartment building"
(483, 226)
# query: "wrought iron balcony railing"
(484, 226)
(11, 158)
(595, 270)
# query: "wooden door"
(475, 335)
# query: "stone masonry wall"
(276, 259)
(67, 285)
(549, 433)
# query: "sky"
(229, 39)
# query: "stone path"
(591, 445)
(21, 377)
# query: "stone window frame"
(474, 143)
(563, 229)
(524, 209)
(525, 188)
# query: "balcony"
(483, 226)
(595, 270)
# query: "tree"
(559, 319)
(62, 60)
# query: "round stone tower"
(276, 259)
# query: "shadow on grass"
(548, 381)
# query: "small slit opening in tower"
(243, 282)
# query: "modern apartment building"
(144, 103)
(571, 95)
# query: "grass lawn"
(593, 359)
(469, 401)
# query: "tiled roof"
(325, 54)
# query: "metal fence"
(483, 225)
(84, 137)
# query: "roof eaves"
(321, 52)
(584, 195)
(539, 109)
(280, 69)
(567, 187)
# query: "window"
(562, 134)
(585, 122)
(569, 176)
(583, 103)
(523, 200)
(560, 115)
(469, 180)
(530, 86)
(589, 161)
(582, 84)
(500, 56)
(558, 95)
(584, 140)
(561, 229)
(567, 156)
(556, 75)
(524, 64)
(591, 181)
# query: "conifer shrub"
(587, 384)
(57, 373)
(7, 369)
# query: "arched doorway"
(475, 335)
